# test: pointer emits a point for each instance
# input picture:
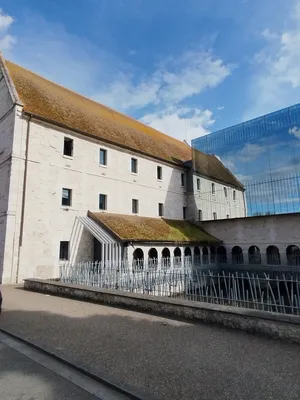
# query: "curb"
(83, 369)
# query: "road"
(168, 359)
(28, 374)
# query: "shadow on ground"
(167, 358)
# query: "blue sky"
(186, 67)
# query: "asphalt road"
(166, 358)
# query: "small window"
(182, 179)
(134, 165)
(68, 147)
(102, 201)
(199, 215)
(64, 251)
(215, 215)
(227, 216)
(234, 195)
(103, 157)
(66, 197)
(159, 173)
(225, 192)
(135, 206)
(213, 189)
(160, 209)
(198, 184)
(184, 212)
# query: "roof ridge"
(111, 110)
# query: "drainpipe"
(23, 197)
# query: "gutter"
(23, 197)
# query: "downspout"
(23, 197)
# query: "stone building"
(65, 158)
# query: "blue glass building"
(264, 154)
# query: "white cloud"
(250, 152)
(295, 131)
(181, 122)
(6, 40)
(78, 64)
(220, 108)
(277, 81)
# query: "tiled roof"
(145, 229)
(58, 105)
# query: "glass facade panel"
(264, 154)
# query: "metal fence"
(277, 292)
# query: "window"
(64, 251)
(184, 212)
(234, 196)
(182, 179)
(160, 209)
(103, 157)
(102, 201)
(225, 192)
(66, 197)
(199, 215)
(159, 173)
(227, 216)
(198, 184)
(134, 165)
(213, 188)
(135, 206)
(68, 147)
(215, 215)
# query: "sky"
(185, 67)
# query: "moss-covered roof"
(145, 229)
(51, 102)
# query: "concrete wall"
(262, 231)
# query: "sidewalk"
(169, 359)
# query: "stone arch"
(254, 255)
(138, 259)
(187, 252)
(205, 255)
(237, 255)
(177, 257)
(273, 255)
(221, 255)
(293, 255)
(165, 258)
(152, 258)
(197, 255)
(213, 253)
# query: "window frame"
(198, 184)
(213, 188)
(134, 162)
(105, 201)
(182, 179)
(234, 195)
(200, 215)
(160, 209)
(159, 174)
(215, 216)
(63, 250)
(225, 192)
(70, 197)
(184, 209)
(68, 140)
(135, 205)
(104, 151)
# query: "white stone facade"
(33, 172)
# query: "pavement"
(166, 358)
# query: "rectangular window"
(135, 206)
(198, 184)
(213, 189)
(184, 212)
(103, 157)
(102, 201)
(182, 179)
(68, 147)
(215, 215)
(225, 192)
(64, 251)
(66, 199)
(160, 209)
(199, 215)
(159, 173)
(227, 216)
(134, 165)
(234, 196)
